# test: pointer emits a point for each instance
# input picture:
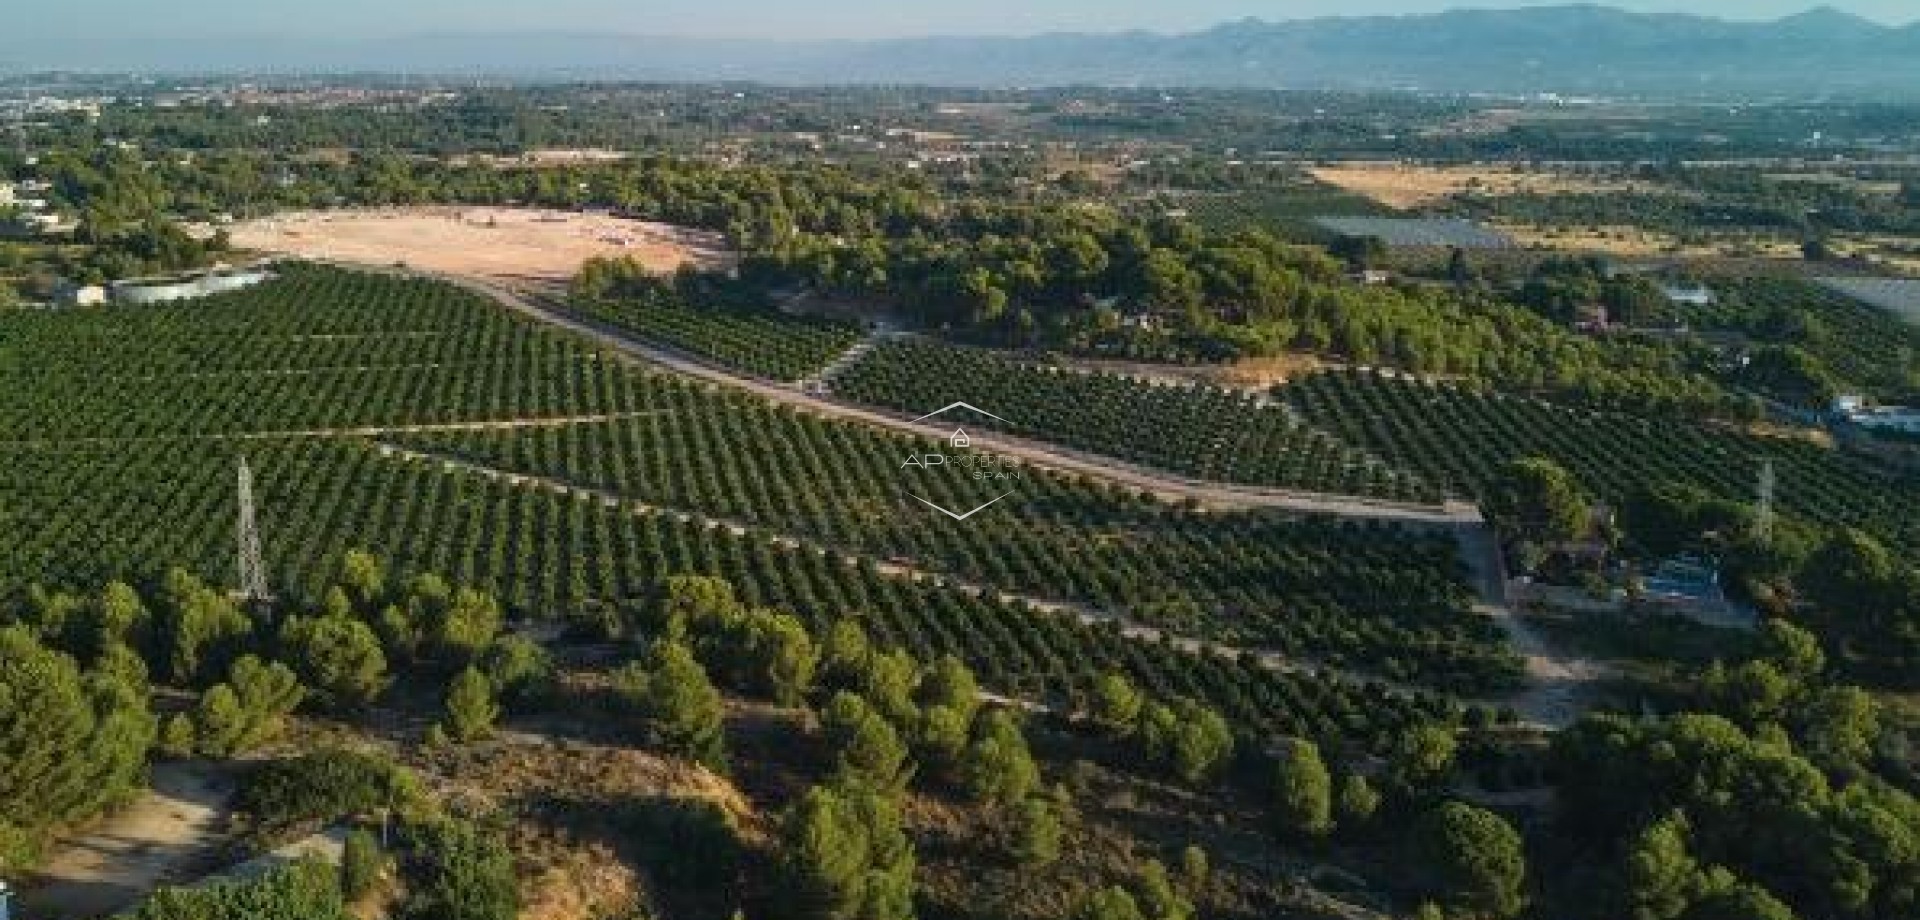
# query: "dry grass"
(1408, 186)
(1637, 242)
(507, 245)
(1269, 371)
(569, 870)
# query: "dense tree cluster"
(303, 891)
(1810, 342)
(72, 742)
(1768, 797)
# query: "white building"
(69, 294)
(186, 287)
(1695, 295)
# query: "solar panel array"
(1896, 295)
(1410, 232)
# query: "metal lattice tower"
(253, 572)
(1763, 506)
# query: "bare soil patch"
(1411, 186)
(172, 833)
(506, 245)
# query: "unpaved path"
(167, 836)
(1557, 682)
(361, 431)
(1084, 613)
(1168, 486)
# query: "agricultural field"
(1458, 436)
(1285, 210)
(1198, 431)
(1419, 232)
(1409, 186)
(316, 350)
(764, 343)
(1864, 341)
(105, 491)
(1367, 598)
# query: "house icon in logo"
(960, 438)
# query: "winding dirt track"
(1167, 486)
(1557, 683)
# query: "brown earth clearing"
(505, 245)
(1411, 186)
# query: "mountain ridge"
(1586, 48)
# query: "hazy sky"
(761, 18)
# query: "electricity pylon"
(253, 572)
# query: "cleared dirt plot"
(1895, 295)
(510, 245)
(1410, 186)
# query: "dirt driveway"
(172, 833)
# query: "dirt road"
(1557, 682)
(1086, 614)
(1167, 486)
(170, 834)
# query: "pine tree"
(866, 746)
(1478, 862)
(471, 710)
(1038, 833)
(1116, 705)
(678, 705)
(1303, 803)
(999, 767)
(340, 657)
(468, 626)
(1357, 802)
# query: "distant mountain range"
(1564, 49)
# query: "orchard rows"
(1204, 432)
(1460, 436)
(760, 342)
(318, 349)
(323, 347)
(1864, 345)
(1367, 597)
(132, 511)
